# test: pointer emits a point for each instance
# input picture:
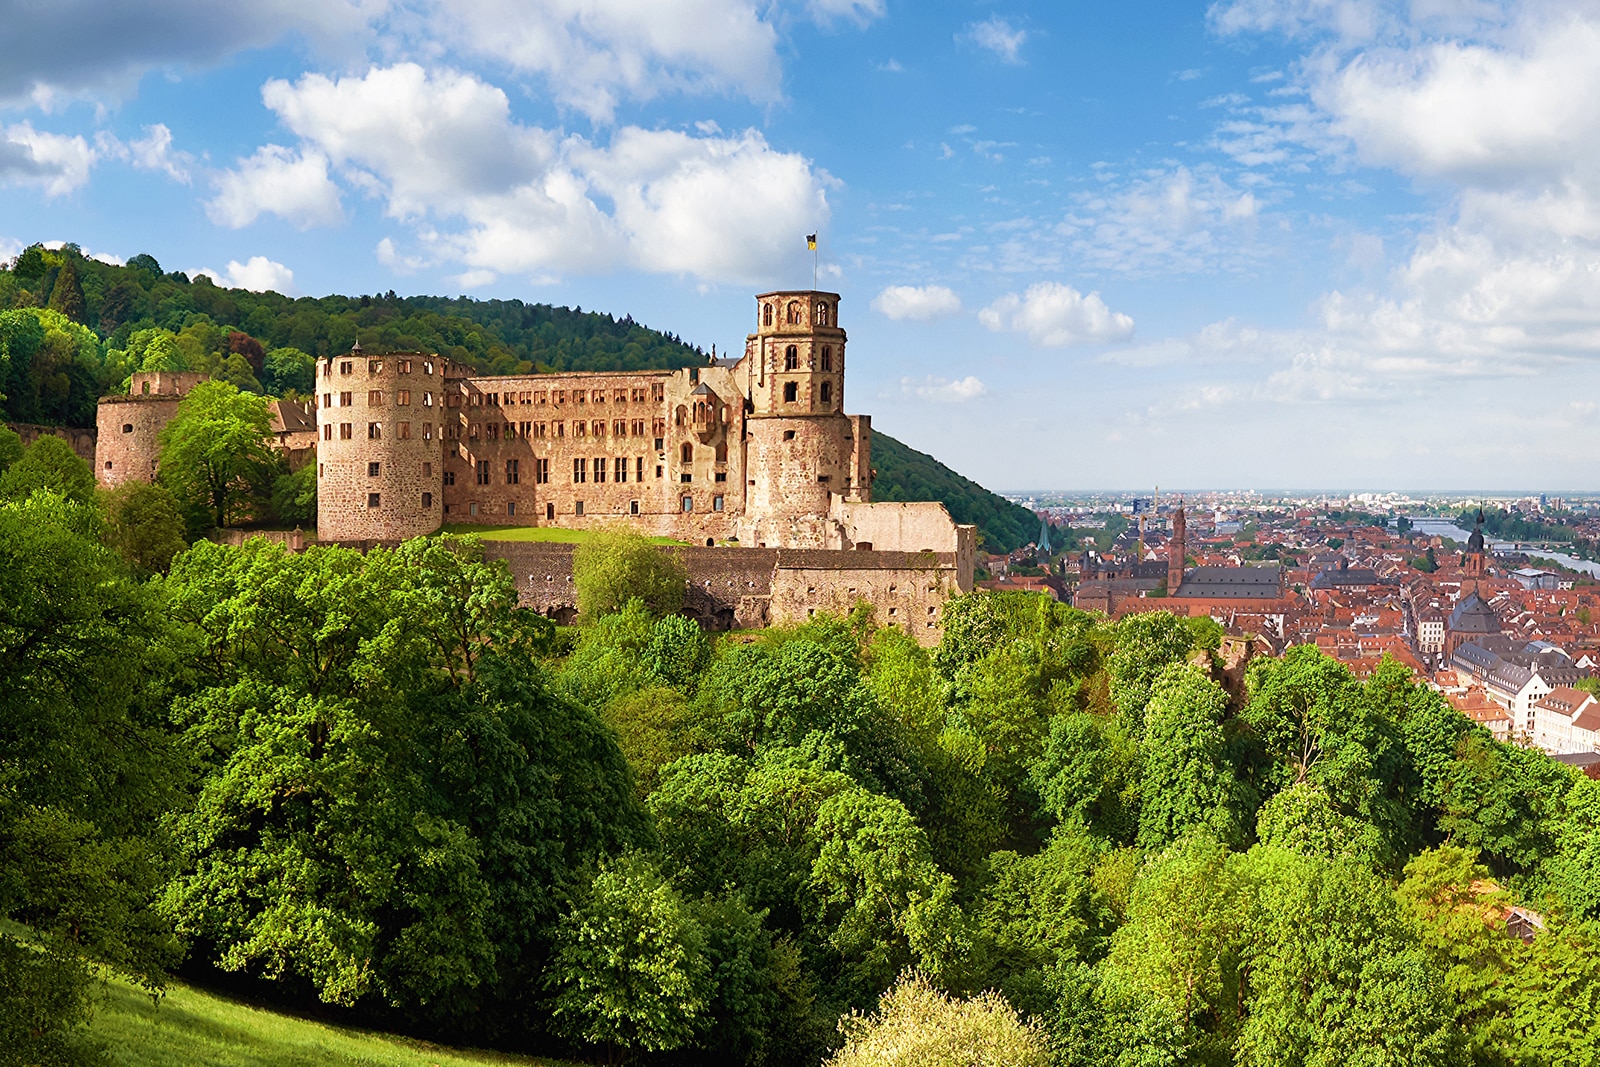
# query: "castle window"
(622, 469)
(720, 476)
(344, 431)
(824, 479)
(680, 415)
(526, 430)
(403, 398)
(511, 508)
(541, 471)
(827, 392)
(686, 478)
(827, 357)
(327, 400)
(637, 427)
(659, 470)
(403, 431)
(599, 469)
(491, 431)
(577, 507)
(405, 366)
(599, 428)
(472, 509)
(687, 504)
(599, 396)
(638, 470)
(791, 358)
(472, 431)
(127, 427)
(372, 469)
(549, 514)
(633, 507)
(480, 469)
(716, 503)
(795, 316)
(146, 389)
(373, 500)
(579, 396)
(374, 366)
(686, 453)
(791, 392)
(658, 391)
(449, 477)
(722, 452)
(427, 367)
(766, 314)
(513, 472)
(788, 435)
(580, 471)
(319, 469)
(539, 429)
(345, 399)
(345, 367)
(427, 500)
(660, 444)
(561, 429)
(580, 428)
(108, 464)
(619, 428)
(822, 313)
(427, 431)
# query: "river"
(1436, 527)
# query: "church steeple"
(1176, 552)
(1473, 564)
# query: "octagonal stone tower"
(802, 451)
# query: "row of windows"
(791, 358)
(685, 504)
(374, 366)
(617, 469)
(636, 394)
(536, 431)
(794, 313)
(791, 393)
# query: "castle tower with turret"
(803, 454)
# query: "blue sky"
(1304, 243)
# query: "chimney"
(1175, 553)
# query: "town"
(1508, 630)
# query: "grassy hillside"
(190, 1028)
(906, 474)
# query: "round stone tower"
(379, 464)
(798, 444)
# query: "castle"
(754, 452)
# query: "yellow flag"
(811, 242)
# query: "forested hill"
(72, 329)
(903, 473)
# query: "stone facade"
(745, 588)
(755, 451)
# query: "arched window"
(794, 313)
(791, 358)
(722, 452)
(681, 414)
(686, 453)
(822, 313)
(766, 314)
(827, 357)
(827, 393)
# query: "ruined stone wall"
(126, 445)
(80, 438)
(744, 588)
(379, 458)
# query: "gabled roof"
(1473, 616)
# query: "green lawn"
(536, 533)
(192, 1028)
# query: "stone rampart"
(80, 438)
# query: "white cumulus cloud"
(154, 151)
(278, 181)
(54, 162)
(944, 390)
(917, 303)
(259, 274)
(1000, 37)
(441, 149)
(1053, 315)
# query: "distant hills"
(96, 321)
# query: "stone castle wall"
(80, 438)
(747, 588)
